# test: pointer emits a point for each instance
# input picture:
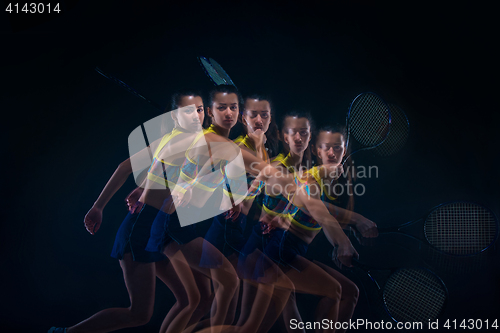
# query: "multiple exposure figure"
(263, 198)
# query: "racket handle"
(388, 230)
(356, 263)
(128, 88)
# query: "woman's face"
(224, 111)
(257, 115)
(190, 114)
(330, 147)
(297, 134)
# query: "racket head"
(210, 71)
(222, 72)
(414, 295)
(461, 228)
(368, 121)
(398, 134)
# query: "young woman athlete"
(140, 267)
(288, 245)
(271, 178)
(226, 231)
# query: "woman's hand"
(132, 200)
(267, 228)
(367, 228)
(276, 222)
(234, 212)
(93, 220)
(258, 137)
(181, 199)
(343, 254)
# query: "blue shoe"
(57, 330)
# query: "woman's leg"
(204, 284)
(271, 296)
(349, 297)
(231, 314)
(192, 293)
(312, 279)
(166, 272)
(291, 312)
(247, 299)
(224, 277)
(140, 282)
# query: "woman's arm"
(224, 149)
(348, 219)
(114, 183)
(93, 218)
(334, 233)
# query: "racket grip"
(387, 230)
(356, 263)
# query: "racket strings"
(212, 72)
(461, 228)
(369, 120)
(372, 106)
(363, 122)
(413, 295)
(398, 134)
(222, 73)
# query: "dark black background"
(66, 127)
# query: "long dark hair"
(307, 160)
(167, 123)
(272, 134)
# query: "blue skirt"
(284, 247)
(133, 235)
(249, 268)
(227, 236)
(166, 228)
